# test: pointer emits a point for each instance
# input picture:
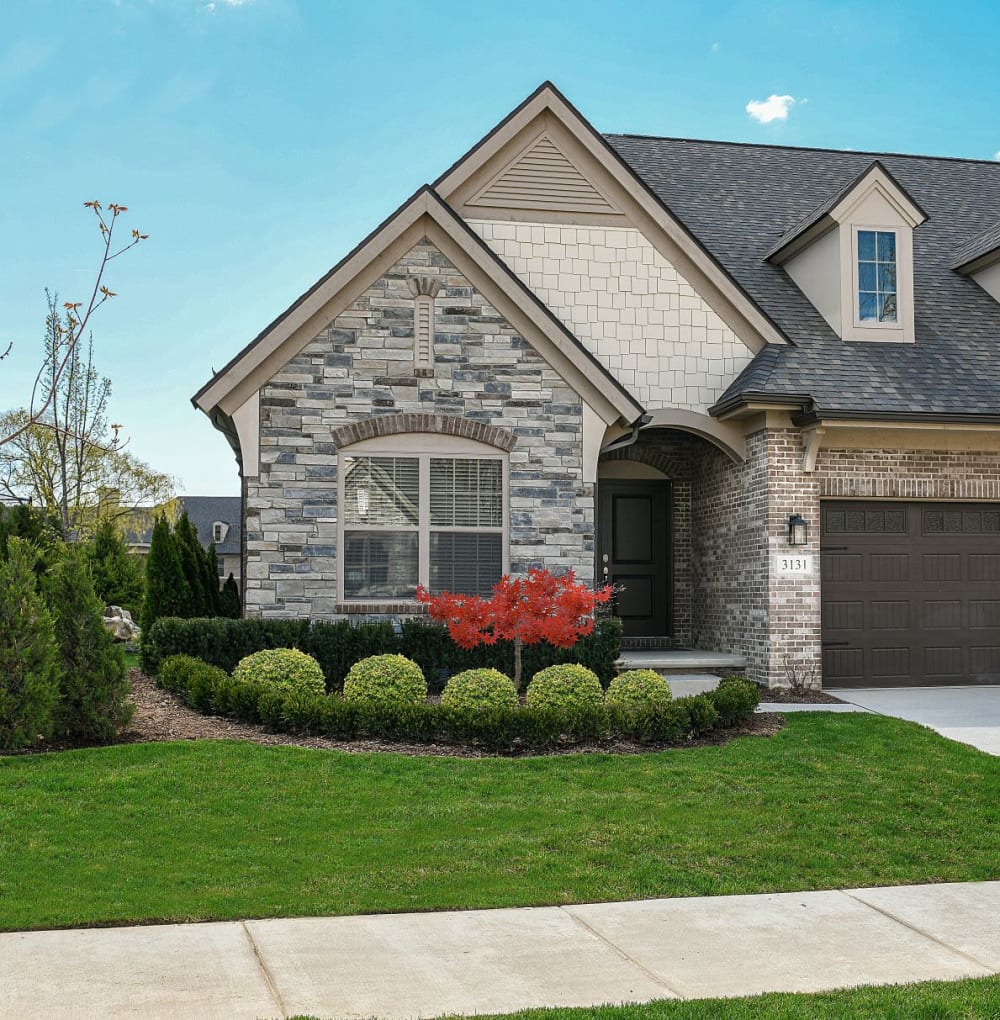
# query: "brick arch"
(441, 424)
(668, 452)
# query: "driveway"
(970, 715)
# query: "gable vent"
(543, 177)
(424, 289)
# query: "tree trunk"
(517, 664)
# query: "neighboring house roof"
(203, 512)
(739, 200)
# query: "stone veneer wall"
(362, 365)
(628, 305)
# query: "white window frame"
(424, 446)
(859, 323)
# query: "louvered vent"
(543, 177)
(424, 289)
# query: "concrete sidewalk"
(485, 961)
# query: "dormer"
(219, 531)
(853, 258)
(980, 260)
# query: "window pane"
(866, 306)
(866, 244)
(381, 491)
(866, 276)
(886, 246)
(886, 278)
(887, 311)
(466, 493)
(380, 564)
(465, 563)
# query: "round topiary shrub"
(638, 690)
(480, 688)
(385, 679)
(566, 686)
(283, 669)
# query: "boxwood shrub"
(336, 646)
(568, 686)
(285, 668)
(497, 729)
(637, 689)
(480, 689)
(385, 679)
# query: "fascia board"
(877, 179)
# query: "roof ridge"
(803, 148)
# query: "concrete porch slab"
(682, 661)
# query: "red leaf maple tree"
(539, 607)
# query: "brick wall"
(362, 365)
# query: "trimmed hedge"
(284, 668)
(509, 730)
(637, 689)
(482, 689)
(567, 686)
(337, 646)
(386, 679)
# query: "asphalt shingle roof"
(739, 200)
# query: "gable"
(542, 176)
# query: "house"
(216, 519)
(755, 387)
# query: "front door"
(633, 553)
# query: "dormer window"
(219, 531)
(877, 276)
(852, 256)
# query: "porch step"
(684, 684)
(682, 662)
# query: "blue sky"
(257, 142)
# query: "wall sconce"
(798, 530)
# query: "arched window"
(421, 509)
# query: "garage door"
(911, 594)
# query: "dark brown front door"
(911, 594)
(634, 554)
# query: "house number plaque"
(791, 564)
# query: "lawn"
(973, 999)
(221, 830)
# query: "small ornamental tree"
(230, 599)
(167, 592)
(540, 607)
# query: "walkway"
(424, 965)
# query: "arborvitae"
(167, 591)
(28, 681)
(231, 599)
(213, 594)
(93, 702)
(117, 574)
(192, 559)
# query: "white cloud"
(715, 47)
(772, 108)
(996, 155)
(213, 5)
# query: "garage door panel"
(910, 593)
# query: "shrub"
(285, 669)
(734, 699)
(385, 679)
(568, 686)
(93, 704)
(701, 713)
(174, 671)
(337, 646)
(480, 689)
(118, 575)
(637, 689)
(28, 678)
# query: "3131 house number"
(793, 564)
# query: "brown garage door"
(911, 594)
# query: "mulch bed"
(797, 696)
(161, 716)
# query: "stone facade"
(361, 366)
(628, 305)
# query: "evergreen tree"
(28, 680)
(93, 704)
(117, 574)
(192, 558)
(167, 591)
(231, 599)
(213, 597)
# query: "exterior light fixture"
(798, 530)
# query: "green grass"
(131, 660)
(973, 999)
(219, 830)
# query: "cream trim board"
(246, 419)
(989, 279)
(877, 182)
(547, 111)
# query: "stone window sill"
(361, 608)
